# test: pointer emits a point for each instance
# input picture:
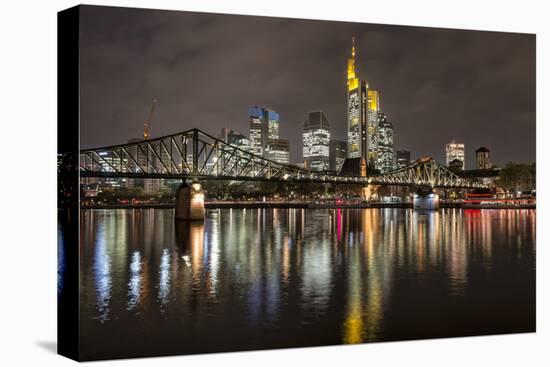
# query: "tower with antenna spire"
(362, 115)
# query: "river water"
(272, 278)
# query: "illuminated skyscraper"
(271, 131)
(278, 150)
(373, 108)
(255, 130)
(316, 139)
(337, 154)
(454, 151)
(362, 106)
(355, 104)
(483, 160)
(263, 126)
(235, 138)
(385, 144)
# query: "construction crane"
(147, 124)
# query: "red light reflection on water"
(339, 224)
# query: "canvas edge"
(68, 141)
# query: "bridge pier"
(425, 199)
(190, 202)
(369, 192)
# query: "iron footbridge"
(194, 154)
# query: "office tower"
(483, 160)
(316, 140)
(385, 144)
(239, 140)
(337, 154)
(363, 105)
(230, 137)
(263, 126)
(255, 115)
(403, 157)
(373, 106)
(355, 104)
(235, 138)
(271, 119)
(278, 150)
(454, 150)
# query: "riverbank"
(306, 205)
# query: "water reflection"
(102, 275)
(324, 276)
(134, 286)
(316, 266)
(164, 276)
(61, 260)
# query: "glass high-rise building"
(255, 115)
(316, 140)
(337, 154)
(454, 150)
(483, 160)
(272, 123)
(235, 138)
(356, 104)
(263, 126)
(385, 144)
(363, 105)
(278, 150)
(373, 108)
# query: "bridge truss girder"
(426, 172)
(195, 154)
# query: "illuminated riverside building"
(263, 127)
(316, 141)
(483, 160)
(362, 108)
(278, 150)
(454, 151)
(337, 154)
(385, 144)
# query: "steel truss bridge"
(194, 154)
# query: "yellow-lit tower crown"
(353, 82)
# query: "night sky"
(206, 70)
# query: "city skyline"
(120, 97)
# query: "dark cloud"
(207, 69)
